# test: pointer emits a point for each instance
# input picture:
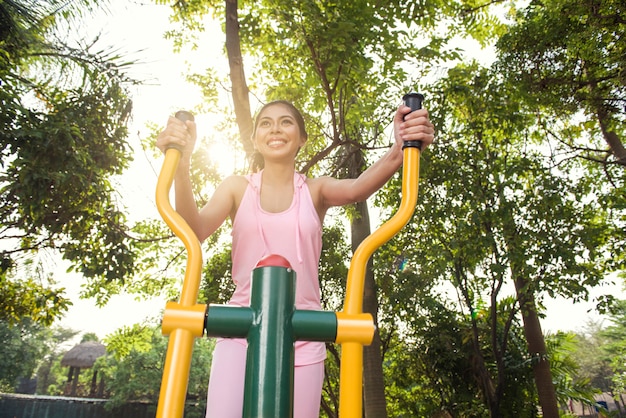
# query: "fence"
(36, 406)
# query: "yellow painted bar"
(191, 284)
(177, 316)
(356, 274)
(175, 375)
(351, 381)
(180, 346)
(351, 374)
(355, 328)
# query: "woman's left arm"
(408, 126)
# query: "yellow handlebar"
(351, 373)
(191, 284)
(182, 332)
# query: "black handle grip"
(184, 116)
(414, 101)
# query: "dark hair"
(256, 160)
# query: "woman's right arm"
(203, 222)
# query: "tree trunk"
(604, 118)
(617, 405)
(537, 350)
(241, 99)
(373, 382)
(68, 384)
(610, 136)
(483, 377)
(101, 387)
(94, 382)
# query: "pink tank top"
(295, 234)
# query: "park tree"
(568, 59)
(570, 382)
(615, 351)
(51, 377)
(63, 139)
(497, 219)
(594, 364)
(34, 297)
(599, 352)
(28, 350)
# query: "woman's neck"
(278, 174)
(277, 188)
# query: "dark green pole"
(272, 325)
(270, 361)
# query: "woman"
(278, 211)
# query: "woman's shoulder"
(233, 185)
(318, 182)
(233, 188)
(235, 179)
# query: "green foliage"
(493, 213)
(217, 283)
(159, 269)
(20, 351)
(589, 355)
(333, 272)
(496, 205)
(133, 371)
(337, 61)
(136, 338)
(567, 59)
(615, 347)
(330, 390)
(438, 368)
(30, 298)
(27, 347)
(570, 383)
(567, 53)
(429, 371)
(333, 268)
(63, 137)
(89, 336)
(598, 353)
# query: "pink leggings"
(226, 384)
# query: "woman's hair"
(256, 160)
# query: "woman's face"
(277, 133)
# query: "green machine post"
(270, 360)
(271, 325)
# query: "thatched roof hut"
(83, 355)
